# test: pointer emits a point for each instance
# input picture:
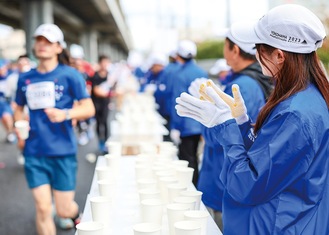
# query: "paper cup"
(90, 228)
(187, 227)
(190, 201)
(194, 194)
(22, 126)
(148, 194)
(114, 147)
(152, 211)
(107, 188)
(105, 173)
(146, 183)
(185, 175)
(174, 191)
(200, 217)
(147, 229)
(175, 213)
(101, 209)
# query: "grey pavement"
(16, 203)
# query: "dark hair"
(242, 53)
(297, 72)
(103, 57)
(23, 56)
(64, 57)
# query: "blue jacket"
(164, 90)
(187, 73)
(279, 184)
(213, 154)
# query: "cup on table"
(105, 173)
(184, 175)
(143, 171)
(190, 201)
(194, 194)
(163, 182)
(114, 147)
(101, 209)
(107, 187)
(152, 211)
(113, 162)
(146, 183)
(23, 128)
(148, 193)
(187, 227)
(90, 228)
(179, 163)
(175, 213)
(200, 217)
(174, 191)
(147, 229)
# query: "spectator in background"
(165, 89)
(100, 93)
(6, 109)
(186, 132)
(85, 127)
(220, 70)
(50, 150)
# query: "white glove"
(175, 136)
(150, 88)
(236, 103)
(195, 87)
(203, 111)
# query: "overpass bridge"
(97, 25)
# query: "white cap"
(76, 51)
(158, 58)
(247, 47)
(219, 66)
(288, 27)
(50, 31)
(186, 49)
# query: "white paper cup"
(200, 217)
(152, 211)
(175, 213)
(114, 147)
(90, 228)
(147, 229)
(194, 194)
(190, 201)
(148, 194)
(185, 175)
(143, 171)
(179, 163)
(105, 173)
(107, 188)
(113, 162)
(187, 227)
(23, 128)
(174, 191)
(146, 183)
(101, 209)
(163, 182)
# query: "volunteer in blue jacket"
(186, 132)
(164, 91)
(50, 150)
(255, 88)
(275, 173)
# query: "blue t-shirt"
(58, 88)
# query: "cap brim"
(48, 37)
(244, 32)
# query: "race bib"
(40, 95)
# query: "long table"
(126, 205)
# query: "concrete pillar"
(35, 12)
(89, 42)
